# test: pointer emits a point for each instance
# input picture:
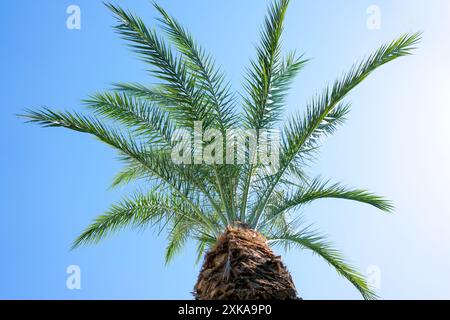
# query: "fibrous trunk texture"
(241, 266)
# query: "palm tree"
(235, 212)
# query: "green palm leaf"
(137, 211)
(325, 112)
(197, 202)
(178, 84)
(143, 117)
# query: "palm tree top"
(198, 201)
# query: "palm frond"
(127, 175)
(289, 68)
(157, 164)
(261, 110)
(145, 118)
(199, 201)
(179, 85)
(325, 112)
(307, 239)
(319, 189)
(210, 78)
(266, 85)
(154, 94)
(201, 247)
(137, 211)
(178, 236)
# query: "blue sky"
(396, 142)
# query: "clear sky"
(396, 142)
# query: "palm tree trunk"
(241, 266)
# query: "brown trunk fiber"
(241, 266)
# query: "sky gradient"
(395, 143)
